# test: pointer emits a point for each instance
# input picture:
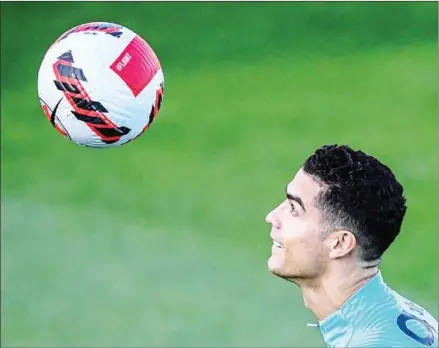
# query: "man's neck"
(328, 294)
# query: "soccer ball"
(100, 85)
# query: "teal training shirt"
(376, 316)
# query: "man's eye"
(293, 209)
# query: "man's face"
(298, 250)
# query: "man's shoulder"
(399, 323)
(417, 337)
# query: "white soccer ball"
(100, 85)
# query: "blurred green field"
(162, 242)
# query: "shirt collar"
(337, 329)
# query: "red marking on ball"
(136, 65)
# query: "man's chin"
(278, 271)
(275, 268)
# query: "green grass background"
(162, 242)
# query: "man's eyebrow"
(296, 199)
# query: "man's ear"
(341, 243)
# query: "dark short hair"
(361, 195)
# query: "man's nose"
(273, 219)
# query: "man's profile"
(341, 212)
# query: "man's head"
(342, 205)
